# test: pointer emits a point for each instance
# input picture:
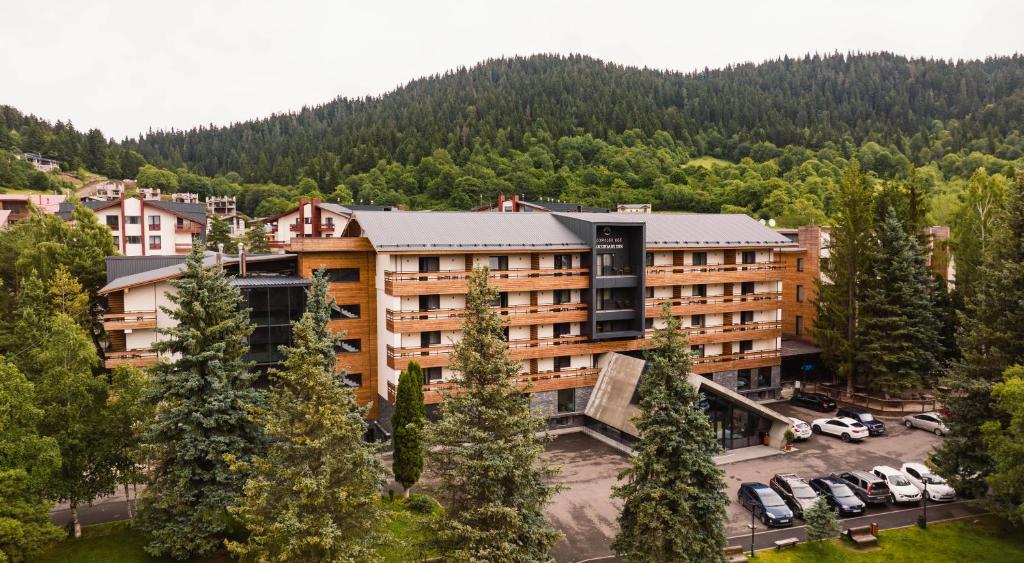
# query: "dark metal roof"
(174, 270)
(120, 266)
(270, 281)
(194, 211)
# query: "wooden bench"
(788, 542)
(734, 554)
(861, 535)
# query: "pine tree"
(256, 239)
(220, 233)
(484, 451)
(822, 522)
(991, 339)
(673, 498)
(899, 340)
(315, 494)
(203, 398)
(407, 423)
(850, 249)
(28, 461)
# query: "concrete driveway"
(586, 514)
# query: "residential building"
(311, 218)
(185, 197)
(634, 208)
(221, 205)
(516, 205)
(940, 255)
(143, 227)
(15, 207)
(235, 221)
(40, 162)
(579, 296)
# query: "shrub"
(420, 504)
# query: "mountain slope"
(807, 101)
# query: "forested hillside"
(908, 104)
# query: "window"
(180, 222)
(561, 329)
(799, 264)
(154, 221)
(353, 379)
(329, 222)
(432, 375)
(799, 325)
(562, 363)
(307, 220)
(133, 239)
(501, 300)
(154, 242)
(430, 338)
(749, 257)
(649, 292)
(743, 379)
(700, 258)
(113, 222)
(799, 294)
(764, 377)
(566, 400)
(343, 275)
(746, 317)
(117, 241)
(697, 320)
(700, 290)
(747, 288)
(132, 220)
(697, 350)
(562, 296)
(648, 323)
(430, 302)
(746, 345)
(498, 263)
(429, 264)
(505, 334)
(563, 261)
(345, 312)
(349, 346)
(605, 264)
(649, 259)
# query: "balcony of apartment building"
(432, 319)
(549, 380)
(436, 281)
(181, 226)
(747, 269)
(138, 358)
(701, 303)
(133, 320)
(436, 354)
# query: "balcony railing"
(454, 281)
(531, 382)
(327, 227)
(715, 303)
(515, 315)
(129, 321)
(295, 227)
(716, 273)
(154, 246)
(137, 358)
(188, 227)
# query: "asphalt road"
(106, 509)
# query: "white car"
(930, 421)
(933, 486)
(800, 429)
(846, 428)
(901, 490)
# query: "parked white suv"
(846, 428)
(901, 490)
(933, 486)
(800, 429)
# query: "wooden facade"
(800, 274)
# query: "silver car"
(930, 421)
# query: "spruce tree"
(674, 495)
(822, 521)
(315, 494)
(900, 342)
(407, 425)
(220, 233)
(203, 395)
(850, 251)
(256, 239)
(28, 461)
(484, 452)
(991, 339)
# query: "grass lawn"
(707, 162)
(118, 542)
(990, 540)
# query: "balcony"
(446, 282)
(437, 356)
(718, 273)
(516, 315)
(295, 227)
(530, 382)
(188, 227)
(697, 305)
(154, 246)
(327, 228)
(137, 358)
(135, 320)
(727, 362)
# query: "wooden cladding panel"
(429, 287)
(364, 328)
(455, 323)
(656, 278)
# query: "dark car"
(839, 495)
(815, 401)
(765, 504)
(795, 491)
(868, 487)
(875, 427)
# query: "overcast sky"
(127, 66)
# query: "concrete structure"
(15, 207)
(40, 162)
(113, 190)
(236, 222)
(221, 205)
(634, 208)
(142, 227)
(185, 197)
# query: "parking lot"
(587, 515)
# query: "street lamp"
(922, 522)
(751, 532)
